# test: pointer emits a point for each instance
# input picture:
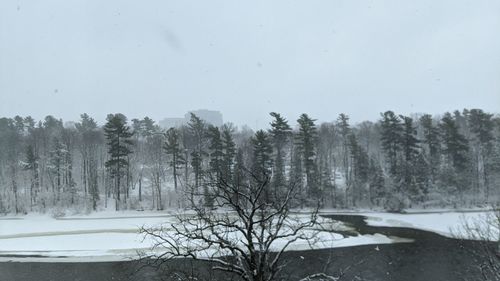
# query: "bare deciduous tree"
(485, 229)
(243, 234)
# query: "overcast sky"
(247, 58)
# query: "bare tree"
(244, 235)
(485, 229)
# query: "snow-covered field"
(109, 236)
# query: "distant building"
(212, 117)
(168, 123)
(70, 125)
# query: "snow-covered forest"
(418, 161)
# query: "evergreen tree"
(280, 133)
(262, 151)
(306, 144)
(29, 123)
(376, 183)
(118, 139)
(455, 149)
(344, 132)
(137, 127)
(410, 143)
(458, 157)
(90, 138)
(68, 138)
(360, 169)
(173, 148)
(216, 151)
(262, 161)
(494, 163)
(327, 140)
(482, 127)
(56, 167)
(455, 145)
(229, 152)
(222, 152)
(148, 127)
(197, 130)
(432, 144)
(325, 176)
(296, 178)
(9, 156)
(419, 186)
(154, 163)
(391, 137)
(31, 165)
(239, 174)
(411, 149)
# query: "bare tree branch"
(246, 227)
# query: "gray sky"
(247, 58)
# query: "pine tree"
(216, 153)
(481, 126)
(118, 136)
(325, 176)
(360, 169)
(391, 137)
(56, 167)
(306, 144)
(262, 161)
(173, 148)
(217, 160)
(154, 163)
(296, 178)
(31, 165)
(456, 150)
(148, 127)
(90, 138)
(411, 149)
(229, 152)
(419, 185)
(197, 130)
(376, 183)
(262, 150)
(327, 141)
(494, 163)
(344, 132)
(68, 138)
(432, 144)
(239, 174)
(455, 145)
(280, 133)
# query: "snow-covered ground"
(110, 236)
(450, 224)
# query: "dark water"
(431, 257)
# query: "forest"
(396, 162)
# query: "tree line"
(395, 162)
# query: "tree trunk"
(174, 164)
(14, 189)
(140, 186)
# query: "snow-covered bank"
(115, 236)
(449, 224)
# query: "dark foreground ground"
(430, 258)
